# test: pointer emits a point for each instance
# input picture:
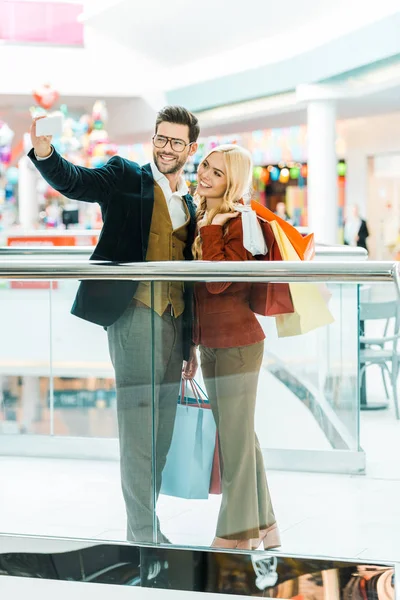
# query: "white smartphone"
(50, 125)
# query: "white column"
(322, 191)
(28, 206)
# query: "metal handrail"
(264, 271)
(321, 251)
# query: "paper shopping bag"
(187, 471)
(304, 246)
(270, 299)
(311, 310)
(253, 238)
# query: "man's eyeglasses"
(160, 141)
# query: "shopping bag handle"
(198, 393)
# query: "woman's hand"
(202, 222)
(222, 218)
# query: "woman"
(231, 344)
(280, 210)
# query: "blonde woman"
(231, 343)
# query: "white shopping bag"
(253, 237)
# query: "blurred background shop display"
(279, 156)
(26, 200)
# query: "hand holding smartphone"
(42, 130)
(50, 125)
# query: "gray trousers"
(148, 366)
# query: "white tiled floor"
(330, 515)
(319, 514)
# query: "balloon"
(12, 175)
(80, 127)
(9, 192)
(294, 173)
(264, 176)
(341, 169)
(275, 174)
(112, 150)
(64, 109)
(84, 123)
(284, 176)
(45, 96)
(99, 135)
(6, 134)
(59, 145)
(99, 150)
(98, 161)
(5, 155)
(99, 112)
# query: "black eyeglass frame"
(170, 140)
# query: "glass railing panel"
(103, 470)
(312, 377)
(25, 359)
(83, 394)
(87, 393)
(379, 329)
(286, 402)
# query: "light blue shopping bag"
(187, 470)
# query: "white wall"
(102, 68)
(363, 138)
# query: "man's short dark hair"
(179, 116)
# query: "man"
(355, 228)
(148, 215)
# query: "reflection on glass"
(211, 572)
(315, 376)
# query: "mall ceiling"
(214, 122)
(179, 32)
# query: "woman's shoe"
(269, 538)
(231, 544)
(223, 543)
(243, 545)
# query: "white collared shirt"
(174, 199)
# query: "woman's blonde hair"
(239, 171)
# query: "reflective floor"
(319, 514)
(327, 515)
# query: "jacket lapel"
(192, 211)
(147, 202)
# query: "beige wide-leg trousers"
(231, 378)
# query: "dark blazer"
(363, 234)
(125, 192)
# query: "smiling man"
(148, 215)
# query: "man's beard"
(173, 168)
